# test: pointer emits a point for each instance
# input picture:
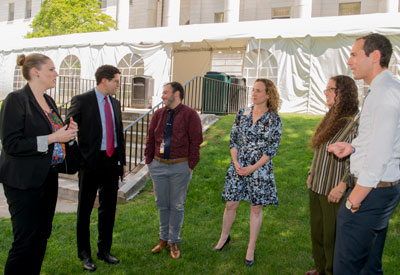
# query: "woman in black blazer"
(33, 137)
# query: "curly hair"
(274, 102)
(344, 108)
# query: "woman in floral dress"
(255, 138)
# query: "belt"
(170, 161)
(382, 183)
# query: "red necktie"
(109, 128)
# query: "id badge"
(162, 147)
(247, 111)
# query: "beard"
(170, 102)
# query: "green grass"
(283, 247)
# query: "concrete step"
(133, 182)
(68, 187)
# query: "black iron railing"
(68, 87)
(211, 96)
(202, 94)
(135, 138)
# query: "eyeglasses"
(330, 89)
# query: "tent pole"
(171, 76)
(258, 58)
(309, 78)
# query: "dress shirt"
(101, 101)
(186, 135)
(377, 147)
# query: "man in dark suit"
(102, 148)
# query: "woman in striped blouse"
(328, 174)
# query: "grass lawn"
(283, 247)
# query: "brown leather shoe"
(159, 247)
(312, 272)
(174, 251)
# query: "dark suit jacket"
(85, 111)
(21, 121)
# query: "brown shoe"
(174, 251)
(312, 272)
(159, 247)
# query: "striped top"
(327, 170)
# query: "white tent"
(298, 54)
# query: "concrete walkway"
(64, 206)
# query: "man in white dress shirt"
(362, 221)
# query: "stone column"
(123, 14)
(389, 6)
(302, 9)
(151, 14)
(232, 11)
(172, 12)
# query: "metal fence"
(202, 94)
(211, 96)
(68, 87)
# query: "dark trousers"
(103, 178)
(323, 228)
(32, 212)
(360, 236)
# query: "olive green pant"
(323, 229)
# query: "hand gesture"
(65, 134)
(245, 171)
(340, 149)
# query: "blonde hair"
(274, 102)
(34, 60)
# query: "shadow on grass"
(283, 247)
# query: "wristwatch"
(350, 206)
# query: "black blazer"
(85, 111)
(21, 121)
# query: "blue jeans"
(170, 185)
(360, 236)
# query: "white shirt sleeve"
(42, 143)
(381, 142)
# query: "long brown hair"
(345, 107)
(274, 102)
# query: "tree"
(57, 17)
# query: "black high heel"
(222, 247)
(249, 263)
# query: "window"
(349, 8)
(219, 17)
(103, 4)
(229, 62)
(69, 80)
(280, 13)
(28, 9)
(11, 11)
(131, 65)
(19, 80)
(70, 66)
(260, 64)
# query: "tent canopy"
(300, 55)
(216, 34)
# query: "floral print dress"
(252, 141)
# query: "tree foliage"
(57, 17)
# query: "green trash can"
(215, 93)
